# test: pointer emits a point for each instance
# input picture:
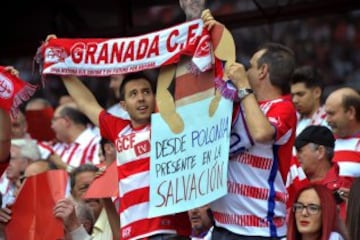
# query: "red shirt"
(334, 181)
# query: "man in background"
(307, 92)
(342, 108)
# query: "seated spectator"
(202, 221)
(314, 215)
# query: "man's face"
(17, 164)
(18, 126)
(95, 205)
(110, 152)
(199, 219)
(304, 99)
(192, 8)
(308, 158)
(254, 71)
(337, 117)
(59, 126)
(139, 101)
(82, 183)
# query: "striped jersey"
(347, 155)
(133, 163)
(256, 201)
(85, 149)
(318, 118)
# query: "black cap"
(315, 134)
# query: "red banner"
(32, 212)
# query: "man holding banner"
(255, 206)
(13, 91)
(132, 141)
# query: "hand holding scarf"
(13, 90)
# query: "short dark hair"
(281, 62)
(309, 75)
(87, 167)
(75, 115)
(133, 76)
(352, 101)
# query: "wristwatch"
(243, 92)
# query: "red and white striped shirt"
(133, 163)
(256, 201)
(84, 149)
(318, 118)
(347, 155)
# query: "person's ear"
(123, 105)
(322, 150)
(351, 112)
(317, 92)
(263, 71)
(68, 121)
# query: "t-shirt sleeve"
(110, 125)
(283, 117)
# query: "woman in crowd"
(314, 215)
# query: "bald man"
(342, 109)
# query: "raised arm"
(5, 136)
(259, 125)
(5, 127)
(83, 97)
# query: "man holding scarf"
(138, 99)
(11, 86)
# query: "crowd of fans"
(279, 111)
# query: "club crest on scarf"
(55, 54)
(6, 87)
(13, 91)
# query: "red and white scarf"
(13, 91)
(104, 57)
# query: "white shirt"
(118, 111)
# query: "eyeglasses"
(310, 208)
